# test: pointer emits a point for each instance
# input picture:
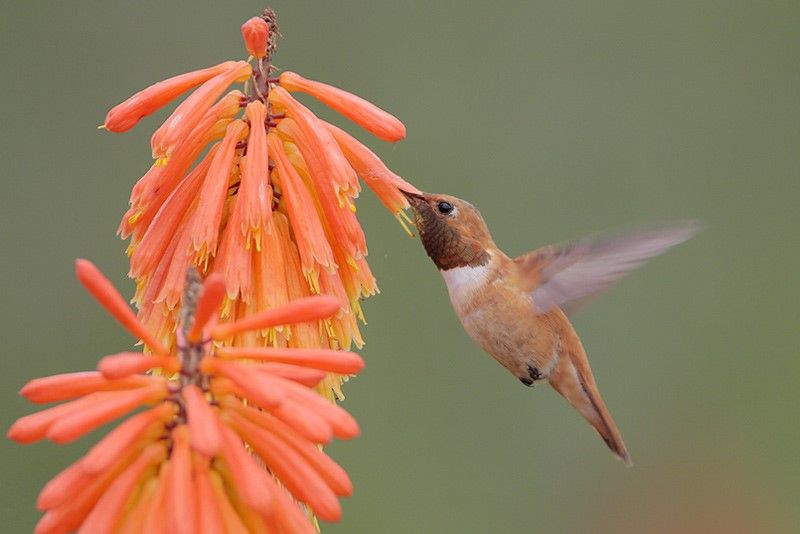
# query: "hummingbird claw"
(534, 372)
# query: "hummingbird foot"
(534, 374)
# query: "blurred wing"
(569, 274)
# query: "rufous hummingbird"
(516, 309)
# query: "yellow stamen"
(312, 277)
(402, 220)
(135, 217)
(405, 217)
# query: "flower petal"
(125, 364)
(180, 489)
(312, 244)
(208, 305)
(327, 150)
(255, 192)
(108, 510)
(153, 189)
(203, 422)
(134, 520)
(385, 184)
(73, 506)
(269, 268)
(139, 428)
(126, 115)
(383, 125)
(207, 217)
(256, 388)
(233, 259)
(34, 427)
(152, 248)
(290, 468)
(302, 375)
(61, 487)
(230, 517)
(76, 423)
(330, 471)
(157, 514)
(304, 421)
(346, 232)
(70, 385)
(252, 482)
(186, 115)
(332, 361)
(209, 515)
(298, 311)
(106, 294)
(343, 424)
(290, 517)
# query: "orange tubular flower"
(386, 185)
(383, 125)
(206, 221)
(185, 116)
(126, 115)
(186, 455)
(254, 190)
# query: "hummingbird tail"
(573, 379)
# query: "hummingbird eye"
(444, 207)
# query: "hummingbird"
(517, 309)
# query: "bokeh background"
(557, 119)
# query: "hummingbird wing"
(569, 274)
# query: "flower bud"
(255, 33)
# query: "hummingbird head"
(452, 230)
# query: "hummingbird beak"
(414, 199)
(409, 195)
(415, 202)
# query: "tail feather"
(573, 379)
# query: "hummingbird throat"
(445, 245)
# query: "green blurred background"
(557, 119)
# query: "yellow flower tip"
(351, 261)
(135, 217)
(312, 277)
(102, 127)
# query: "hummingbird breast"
(501, 319)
